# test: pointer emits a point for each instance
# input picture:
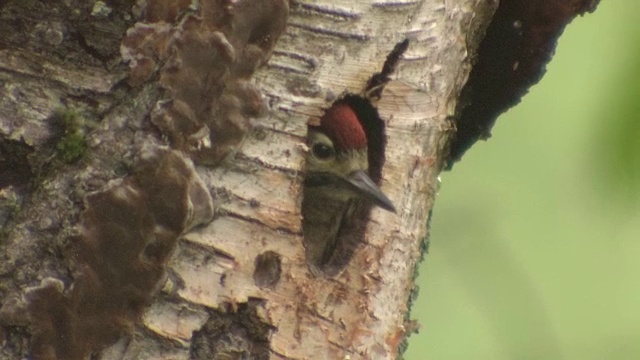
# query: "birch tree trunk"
(151, 181)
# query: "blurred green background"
(535, 236)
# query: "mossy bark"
(238, 284)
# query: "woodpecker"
(338, 190)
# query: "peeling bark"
(237, 286)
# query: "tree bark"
(152, 166)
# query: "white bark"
(331, 47)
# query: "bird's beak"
(363, 184)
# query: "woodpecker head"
(338, 160)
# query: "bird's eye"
(322, 151)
